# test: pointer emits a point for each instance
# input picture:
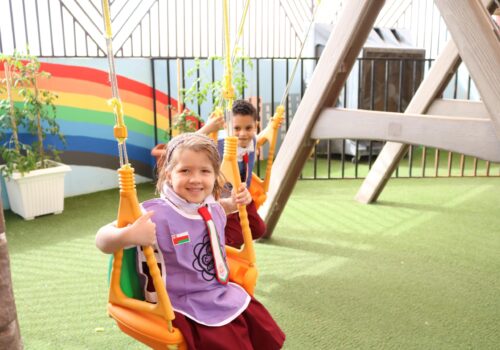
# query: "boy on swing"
(244, 123)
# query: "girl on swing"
(186, 225)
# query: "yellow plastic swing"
(149, 323)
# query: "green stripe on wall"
(103, 118)
(89, 116)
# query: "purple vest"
(186, 257)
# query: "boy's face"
(244, 128)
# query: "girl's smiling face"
(193, 176)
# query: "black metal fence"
(375, 84)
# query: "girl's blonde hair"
(194, 142)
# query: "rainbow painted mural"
(87, 121)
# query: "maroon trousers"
(233, 232)
(254, 329)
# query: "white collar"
(242, 150)
(189, 208)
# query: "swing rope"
(228, 89)
(227, 84)
(270, 134)
(129, 209)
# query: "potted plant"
(33, 176)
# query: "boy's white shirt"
(248, 149)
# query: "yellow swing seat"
(146, 328)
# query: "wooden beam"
(472, 136)
(475, 36)
(458, 108)
(328, 79)
(435, 82)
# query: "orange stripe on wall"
(75, 86)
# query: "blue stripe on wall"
(103, 132)
(92, 145)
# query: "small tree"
(37, 114)
(203, 88)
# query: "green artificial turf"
(417, 270)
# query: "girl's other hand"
(242, 196)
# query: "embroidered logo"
(180, 238)
(203, 259)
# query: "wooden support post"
(328, 80)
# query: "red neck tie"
(245, 167)
(221, 269)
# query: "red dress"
(254, 329)
(233, 232)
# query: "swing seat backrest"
(256, 190)
(241, 271)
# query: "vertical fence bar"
(12, 25)
(287, 109)
(468, 87)
(372, 107)
(198, 88)
(260, 105)
(155, 120)
(26, 25)
(272, 85)
(356, 157)
(424, 158)
(86, 44)
(169, 100)
(183, 82)
(386, 85)
(243, 72)
(302, 89)
(474, 167)
(272, 88)
(212, 65)
(450, 160)
(142, 43)
(328, 157)
(315, 161)
(410, 160)
(462, 165)
(413, 89)
(38, 30)
(400, 97)
(436, 163)
(176, 44)
(342, 159)
(74, 36)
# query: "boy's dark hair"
(243, 107)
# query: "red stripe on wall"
(101, 77)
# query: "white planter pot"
(38, 192)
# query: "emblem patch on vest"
(180, 238)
